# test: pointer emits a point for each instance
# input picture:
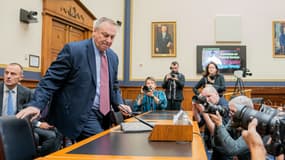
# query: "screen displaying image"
(228, 58)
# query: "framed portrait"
(278, 38)
(163, 39)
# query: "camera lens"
(212, 77)
(146, 89)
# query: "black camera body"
(212, 77)
(173, 75)
(246, 72)
(209, 108)
(269, 123)
(147, 89)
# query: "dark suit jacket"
(24, 95)
(71, 82)
(166, 84)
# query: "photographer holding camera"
(149, 98)
(207, 102)
(228, 137)
(173, 84)
(211, 77)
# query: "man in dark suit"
(49, 141)
(20, 95)
(82, 84)
(173, 84)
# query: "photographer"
(173, 84)
(228, 137)
(149, 98)
(211, 77)
(200, 115)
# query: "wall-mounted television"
(228, 58)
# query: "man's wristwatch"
(38, 124)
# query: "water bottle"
(181, 118)
(185, 119)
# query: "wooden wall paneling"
(76, 34)
(273, 96)
(46, 42)
(29, 83)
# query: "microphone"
(137, 118)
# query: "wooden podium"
(171, 132)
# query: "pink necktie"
(104, 86)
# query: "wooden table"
(114, 144)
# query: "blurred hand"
(45, 125)
(168, 76)
(29, 111)
(216, 118)
(125, 109)
(254, 141)
(200, 108)
(150, 94)
(142, 92)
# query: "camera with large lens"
(146, 89)
(209, 108)
(270, 122)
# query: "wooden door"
(61, 34)
(63, 22)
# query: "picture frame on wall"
(278, 38)
(34, 61)
(163, 39)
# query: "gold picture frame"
(163, 39)
(278, 39)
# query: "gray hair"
(19, 65)
(104, 19)
(210, 89)
(241, 100)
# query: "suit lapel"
(110, 69)
(1, 97)
(19, 96)
(91, 60)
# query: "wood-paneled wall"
(274, 96)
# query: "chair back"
(16, 139)
(129, 102)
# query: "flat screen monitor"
(228, 58)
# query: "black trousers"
(96, 123)
(49, 141)
(173, 104)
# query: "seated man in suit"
(12, 98)
(12, 95)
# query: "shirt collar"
(6, 89)
(97, 52)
